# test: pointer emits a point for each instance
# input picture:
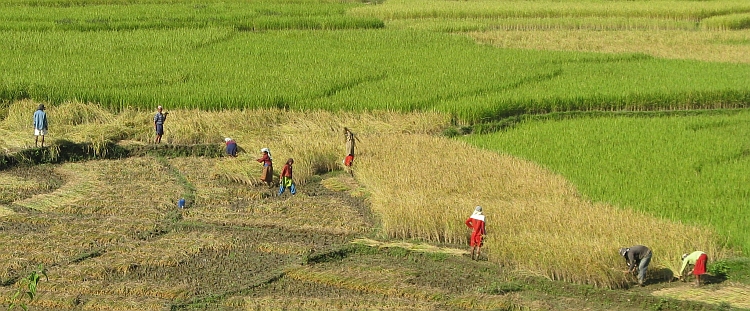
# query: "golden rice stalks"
(366, 280)
(735, 294)
(674, 44)
(80, 181)
(5, 211)
(391, 284)
(44, 300)
(335, 304)
(415, 247)
(426, 187)
(298, 213)
(284, 248)
(169, 250)
(119, 303)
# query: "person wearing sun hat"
(638, 258)
(231, 147)
(476, 223)
(698, 259)
(40, 125)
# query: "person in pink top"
(476, 223)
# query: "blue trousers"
(287, 182)
(642, 266)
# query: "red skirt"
(476, 239)
(700, 265)
(348, 160)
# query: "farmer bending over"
(698, 259)
(637, 257)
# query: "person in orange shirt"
(476, 223)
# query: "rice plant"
(688, 169)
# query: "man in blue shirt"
(159, 119)
(40, 125)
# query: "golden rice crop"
(386, 282)
(714, 46)
(735, 294)
(425, 187)
(119, 303)
(309, 303)
(300, 212)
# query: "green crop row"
(727, 22)
(693, 169)
(554, 23)
(242, 15)
(668, 9)
(215, 68)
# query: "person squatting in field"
(637, 257)
(267, 175)
(349, 160)
(159, 119)
(231, 147)
(476, 223)
(698, 259)
(40, 125)
(285, 178)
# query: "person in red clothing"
(267, 175)
(476, 223)
(698, 259)
(349, 160)
(285, 178)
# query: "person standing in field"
(698, 259)
(476, 223)
(348, 161)
(285, 178)
(231, 147)
(267, 175)
(159, 119)
(637, 257)
(40, 125)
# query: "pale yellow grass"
(80, 180)
(279, 302)
(391, 303)
(91, 277)
(392, 283)
(119, 303)
(297, 213)
(285, 248)
(425, 187)
(62, 238)
(44, 300)
(135, 186)
(5, 211)
(704, 45)
(735, 294)
(415, 247)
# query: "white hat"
(227, 139)
(159, 107)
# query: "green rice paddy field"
(691, 168)
(637, 105)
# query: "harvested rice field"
(111, 238)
